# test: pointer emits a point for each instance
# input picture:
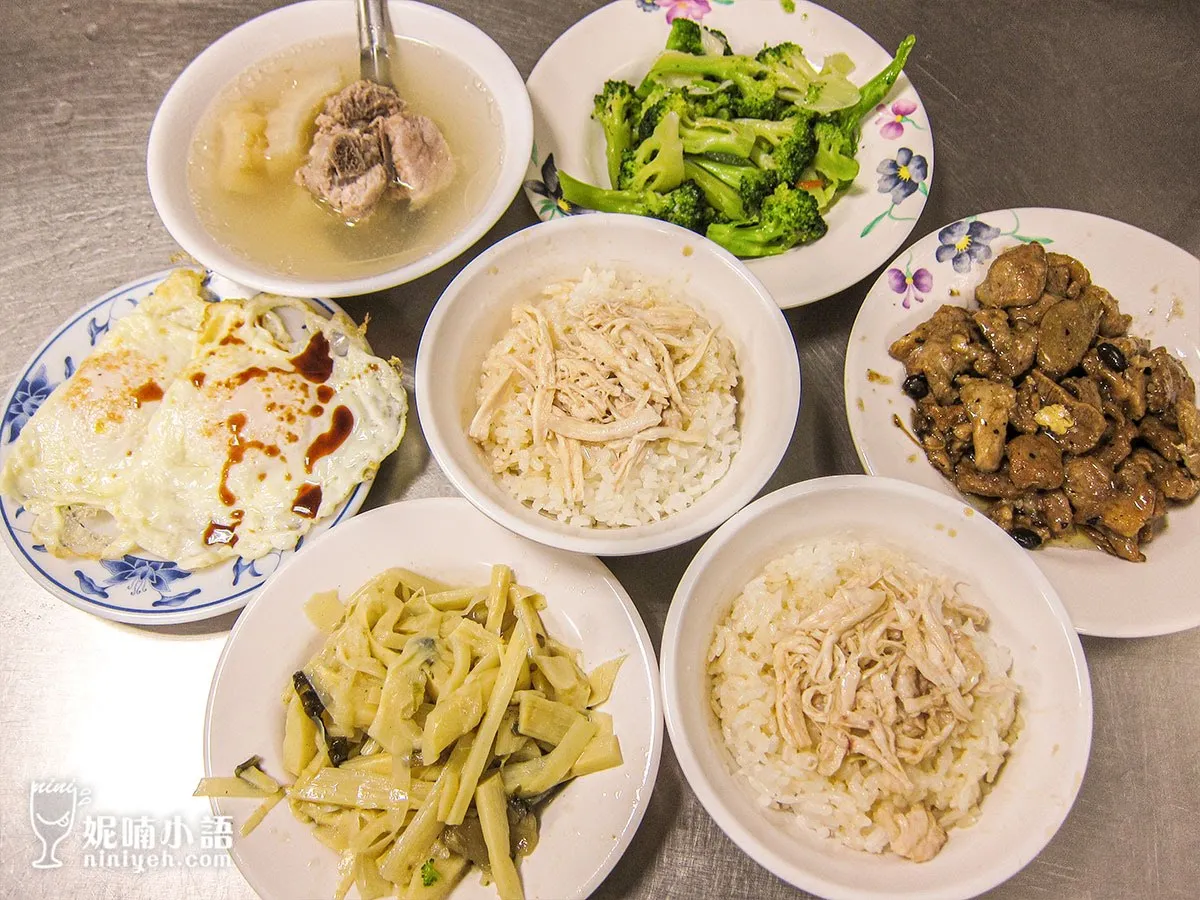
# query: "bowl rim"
(607, 541)
(672, 689)
(508, 91)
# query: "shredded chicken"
(887, 670)
(618, 368)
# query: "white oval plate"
(1154, 281)
(622, 39)
(137, 589)
(1040, 779)
(584, 830)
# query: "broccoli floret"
(656, 164)
(614, 109)
(685, 37)
(787, 147)
(751, 184)
(789, 217)
(699, 134)
(690, 37)
(834, 157)
(685, 205)
(788, 65)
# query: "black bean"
(1027, 538)
(1111, 356)
(916, 386)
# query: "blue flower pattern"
(966, 243)
(30, 394)
(902, 176)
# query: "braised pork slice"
(1016, 278)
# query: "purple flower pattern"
(902, 176)
(912, 285)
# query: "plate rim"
(860, 323)
(693, 772)
(108, 611)
(790, 302)
(460, 506)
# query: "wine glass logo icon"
(52, 808)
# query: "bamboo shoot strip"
(515, 659)
(498, 598)
(492, 806)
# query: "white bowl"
(263, 37)
(1038, 783)
(474, 311)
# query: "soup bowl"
(181, 114)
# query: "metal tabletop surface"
(1083, 104)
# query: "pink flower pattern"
(891, 122)
(687, 9)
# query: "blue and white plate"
(867, 224)
(137, 589)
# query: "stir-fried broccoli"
(655, 164)
(788, 217)
(746, 149)
(752, 184)
(685, 205)
(699, 134)
(614, 109)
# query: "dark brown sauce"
(148, 393)
(324, 393)
(324, 444)
(314, 362)
(315, 411)
(237, 452)
(308, 500)
(198, 380)
(899, 423)
(216, 534)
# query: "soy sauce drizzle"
(314, 362)
(147, 393)
(237, 453)
(326, 443)
(308, 500)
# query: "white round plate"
(1037, 785)
(137, 589)
(1154, 281)
(622, 39)
(584, 830)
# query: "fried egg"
(69, 464)
(201, 431)
(278, 416)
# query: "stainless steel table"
(1087, 104)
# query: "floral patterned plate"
(1154, 281)
(137, 589)
(620, 40)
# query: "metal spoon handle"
(373, 40)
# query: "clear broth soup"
(241, 176)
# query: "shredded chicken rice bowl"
(858, 691)
(608, 403)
